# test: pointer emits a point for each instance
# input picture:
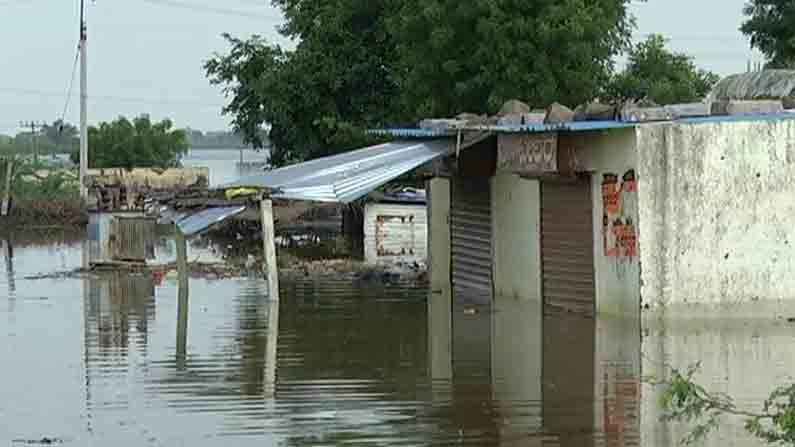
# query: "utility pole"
(34, 140)
(83, 105)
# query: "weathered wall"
(395, 233)
(716, 213)
(611, 159)
(516, 250)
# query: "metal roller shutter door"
(470, 231)
(567, 247)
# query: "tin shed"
(395, 228)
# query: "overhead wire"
(71, 84)
(117, 99)
(213, 9)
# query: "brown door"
(470, 232)
(567, 246)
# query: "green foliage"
(58, 137)
(315, 97)
(473, 56)
(366, 63)
(663, 76)
(684, 400)
(139, 143)
(771, 26)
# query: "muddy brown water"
(97, 361)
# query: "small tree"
(684, 400)
(139, 143)
(665, 77)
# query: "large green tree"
(771, 26)
(316, 96)
(361, 63)
(665, 77)
(139, 143)
(472, 56)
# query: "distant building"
(395, 229)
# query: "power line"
(71, 85)
(107, 98)
(214, 10)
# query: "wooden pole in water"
(272, 274)
(182, 302)
(4, 208)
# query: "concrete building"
(395, 229)
(606, 216)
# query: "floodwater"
(102, 360)
(121, 360)
(224, 164)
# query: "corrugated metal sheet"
(567, 253)
(132, 239)
(755, 85)
(395, 233)
(196, 223)
(349, 176)
(471, 236)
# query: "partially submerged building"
(607, 216)
(664, 207)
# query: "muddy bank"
(340, 269)
(43, 214)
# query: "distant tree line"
(136, 143)
(56, 138)
(217, 139)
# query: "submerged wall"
(743, 358)
(717, 213)
(611, 158)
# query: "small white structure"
(395, 229)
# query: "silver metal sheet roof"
(194, 223)
(349, 176)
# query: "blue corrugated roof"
(401, 132)
(740, 118)
(574, 126)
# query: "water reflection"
(134, 362)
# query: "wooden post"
(9, 257)
(272, 274)
(182, 302)
(4, 208)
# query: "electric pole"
(34, 140)
(83, 105)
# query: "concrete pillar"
(439, 233)
(516, 218)
(440, 300)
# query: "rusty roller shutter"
(567, 246)
(470, 232)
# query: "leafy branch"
(684, 400)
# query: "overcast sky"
(146, 56)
